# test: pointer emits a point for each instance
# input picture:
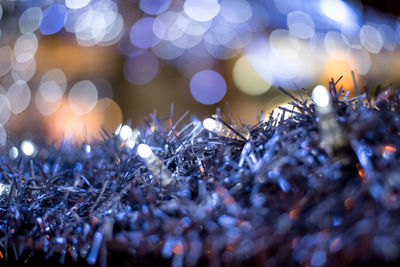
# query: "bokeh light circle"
(30, 20)
(3, 136)
(207, 87)
(201, 10)
(247, 79)
(56, 75)
(154, 7)
(19, 96)
(141, 34)
(5, 109)
(76, 4)
(371, 39)
(300, 24)
(6, 59)
(25, 47)
(82, 97)
(141, 67)
(53, 19)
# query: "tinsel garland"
(270, 194)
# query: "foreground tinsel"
(268, 194)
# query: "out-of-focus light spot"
(141, 34)
(389, 36)
(351, 34)
(216, 49)
(335, 46)
(28, 148)
(141, 67)
(287, 6)
(19, 96)
(44, 106)
(208, 87)
(247, 79)
(82, 97)
(113, 33)
(236, 11)
(6, 59)
(5, 109)
(211, 125)
(338, 10)
(190, 26)
(125, 132)
(168, 26)
(88, 149)
(13, 153)
(24, 71)
(104, 88)
(335, 69)
(55, 75)
(71, 17)
(154, 7)
(3, 136)
(187, 41)
(53, 19)
(50, 91)
(300, 24)
(144, 151)
(25, 47)
(201, 10)
(321, 96)
(76, 4)
(371, 39)
(30, 20)
(166, 50)
(317, 46)
(360, 60)
(284, 44)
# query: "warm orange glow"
(65, 123)
(387, 149)
(294, 214)
(336, 68)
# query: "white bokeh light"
(202, 10)
(83, 97)
(19, 96)
(144, 151)
(320, 96)
(371, 39)
(76, 4)
(28, 148)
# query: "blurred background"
(70, 67)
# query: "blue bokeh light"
(53, 19)
(141, 67)
(154, 7)
(208, 87)
(141, 34)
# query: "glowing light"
(201, 10)
(335, 46)
(19, 96)
(300, 24)
(30, 20)
(13, 153)
(141, 67)
(23, 71)
(141, 34)
(247, 79)
(286, 6)
(53, 19)
(57, 76)
(154, 7)
(166, 50)
(25, 47)
(212, 125)
(144, 151)
(6, 59)
(5, 109)
(371, 39)
(88, 149)
(125, 132)
(337, 10)
(389, 36)
(320, 96)
(208, 87)
(76, 4)
(236, 11)
(351, 34)
(45, 107)
(28, 148)
(83, 97)
(335, 69)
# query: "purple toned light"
(53, 19)
(154, 7)
(142, 35)
(208, 87)
(141, 67)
